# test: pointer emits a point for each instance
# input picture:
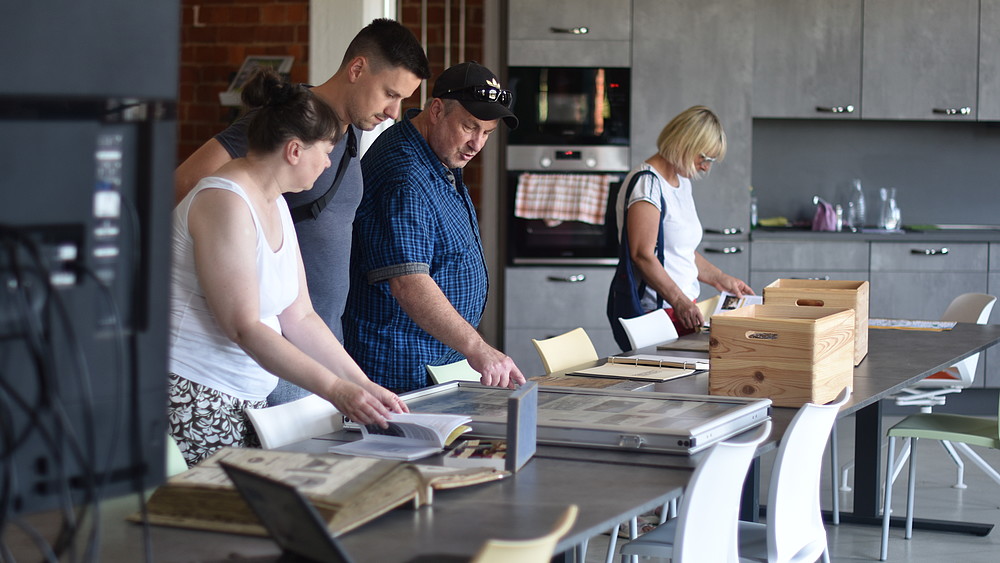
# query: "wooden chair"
(456, 371)
(295, 421)
(959, 429)
(538, 550)
(566, 350)
(794, 531)
(706, 525)
(651, 328)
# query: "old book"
(409, 436)
(346, 491)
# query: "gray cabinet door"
(731, 255)
(549, 33)
(686, 53)
(918, 281)
(798, 259)
(989, 61)
(807, 59)
(921, 58)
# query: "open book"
(728, 302)
(409, 436)
(346, 491)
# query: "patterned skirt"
(203, 420)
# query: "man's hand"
(495, 368)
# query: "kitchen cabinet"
(729, 254)
(921, 59)
(551, 33)
(541, 302)
(807, 59)
(989, 60)
(797, 259)
(686, 53)
(917, 280)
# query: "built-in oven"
(573, 135)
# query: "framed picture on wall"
(280, 63)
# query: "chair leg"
(959, 465)
(887, 500)
(978, 460)
(834, 484)
(612, 545)
(904, 454)
(581, 551)
(844, 487)
(910, 488)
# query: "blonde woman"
(662, 201)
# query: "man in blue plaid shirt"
(418, 275)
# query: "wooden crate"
(789, 354)
(827, 293)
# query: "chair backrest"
(651, 328)
(298, 420)
(795, 524)
(456, 371)
(175, 459)
(966, 308)
(538, 550)
(708, 517)
(565, 350)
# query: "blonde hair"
(692, 133)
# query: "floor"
(935, 498)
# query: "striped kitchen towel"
(563, 197)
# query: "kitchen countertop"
(906, 236)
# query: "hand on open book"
(362, 406)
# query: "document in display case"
(601, 418)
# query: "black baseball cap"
(478, 90)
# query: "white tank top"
(199, 351)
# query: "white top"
(682, 230)
(199, 350)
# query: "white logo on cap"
(493, 82)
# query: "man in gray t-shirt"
(383, 65)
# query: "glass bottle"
(858, 199)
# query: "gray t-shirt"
(325, 241)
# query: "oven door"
(538, 241)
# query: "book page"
(431, 429)
(386, 447)
(728, 302)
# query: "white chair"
(537, 550)
(651, 328)
(794, 532)
(456, 371)
(706, 525)
(295, 421)
(933, 389)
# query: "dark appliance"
(87, 150)
(573, 120)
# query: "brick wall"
(214, 45)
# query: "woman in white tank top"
(240, 310)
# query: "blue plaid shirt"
(412, 219)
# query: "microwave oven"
(570, 105)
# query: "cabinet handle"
(582, 30)
(953, 111)
(575, 278)
(836, 109)
(724, 250)
(929, 251)
(725, 231)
